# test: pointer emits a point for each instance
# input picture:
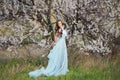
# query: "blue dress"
(58, 60)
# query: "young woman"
(58, 60)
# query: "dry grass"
(82, 67)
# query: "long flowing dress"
(58, 60)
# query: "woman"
(58, 61)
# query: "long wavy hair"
(57, 27)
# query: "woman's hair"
(57, 27)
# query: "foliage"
(94, 23)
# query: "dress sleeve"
(65, 32)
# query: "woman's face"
(60, 24)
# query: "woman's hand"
(54, 43)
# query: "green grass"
(87, 69)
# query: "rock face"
(92, 25)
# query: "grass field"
(86, 68)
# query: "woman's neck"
(61, 28)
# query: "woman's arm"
(55, 37)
